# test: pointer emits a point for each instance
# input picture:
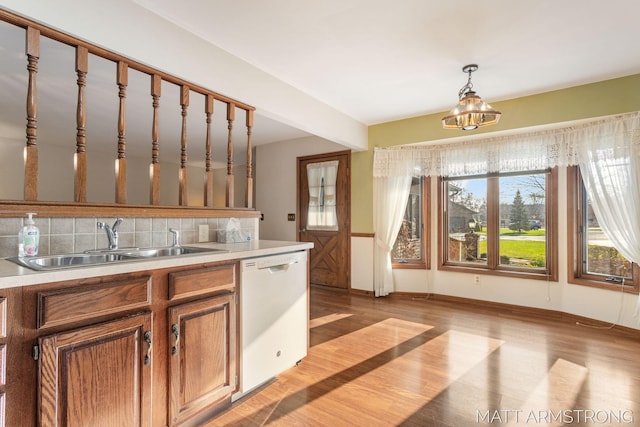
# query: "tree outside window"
(499, 224)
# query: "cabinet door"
(202, 357)
(97, 375)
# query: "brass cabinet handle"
(147, 357)
(176, 333)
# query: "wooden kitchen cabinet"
(98, 351)
(202, 360)
(97, 375)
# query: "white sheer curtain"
(607, 150)
(512, 153)
(390, 200)
(610, 168)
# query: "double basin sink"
(106, 256)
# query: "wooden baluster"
(121, 161)
(80, 161)
(208, 177)
(154, 168)
(183, 194)
(31, 149)
(249, 193)
(230, 117)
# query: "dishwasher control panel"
(272, 261)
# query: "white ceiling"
(373, 60)
(382, 60)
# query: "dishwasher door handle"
(279, 267)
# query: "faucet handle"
(176, 237)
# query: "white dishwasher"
(273, 316)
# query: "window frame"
(424, 262)
(575, 235)
(493, 266)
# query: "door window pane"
(321, 214)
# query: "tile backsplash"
(69, 235)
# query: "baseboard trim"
(369, 235)
(533, 312)
(362, 292)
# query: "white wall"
(362, 264)
(275, 179)
(124, 27)
(604, 305)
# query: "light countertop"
(13, 275)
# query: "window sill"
(531, 275)
(412, 265)
(631, 288)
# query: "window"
(411, 247)
(500, 224)
(594, 260)
(321, 213)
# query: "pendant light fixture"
(471, 112)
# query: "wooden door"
(97, 376)
(202, 359)
(330, 259)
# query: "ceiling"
(382, 60)
(373, 60)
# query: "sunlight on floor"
(346, 371)
(427, 370)
(552, 401)
(398, 372)
(319, 321)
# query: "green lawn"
(507, 232)
(521, 252)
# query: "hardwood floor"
(423, 362)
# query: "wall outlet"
(203, 233)
(476, 279)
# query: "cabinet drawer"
(73, 304)
(202, 281)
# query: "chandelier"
(471, 112)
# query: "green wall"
(597, 99)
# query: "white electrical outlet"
(203, 233)
(476, 279)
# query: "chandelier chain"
(466, 88)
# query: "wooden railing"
(34, 33)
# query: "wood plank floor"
(423, 362)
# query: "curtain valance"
(508, 153)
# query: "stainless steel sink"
(54, 262)
(169, 251)
(111, 251)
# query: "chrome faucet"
(112, 232)
(176, 237)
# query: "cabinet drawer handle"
(147, 357)
(176, 334)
